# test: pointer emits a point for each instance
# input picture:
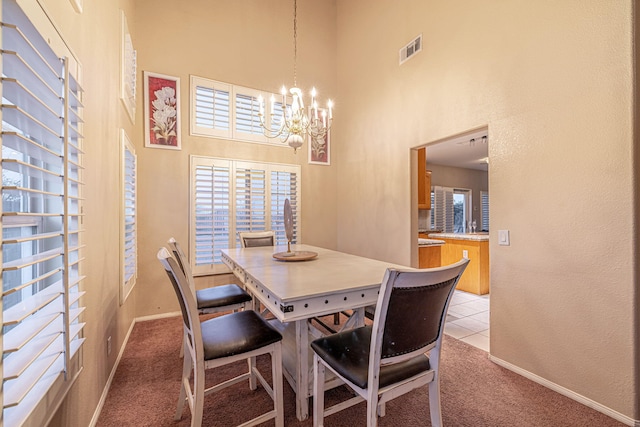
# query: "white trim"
(568, 393)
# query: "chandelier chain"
(295, 42)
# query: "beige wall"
(552, 81)
(247, 43)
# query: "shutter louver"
(42, 210)
(210, 212)
(284, 185)
(250, 199)
(484, 209)
(129, 249)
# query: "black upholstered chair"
(252, 239)
(399, 352)
(220, 341)
(230, 297)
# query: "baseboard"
(107, 386)
(568, 393)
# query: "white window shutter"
(230, 196)
(210, 213)
(42, 180)
(210, 108)
(484, 210)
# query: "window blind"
(230, 196)
(442, 209)
(223, 110)
(129, 250)
(484, 209)
(41, 217)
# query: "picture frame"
(161, 111)
(320, 148)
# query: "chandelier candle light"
(294, 122)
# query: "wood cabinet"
(475, 278)
(424, 181)
(430, 256)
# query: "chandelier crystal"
(292, 122)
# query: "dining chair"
(229, 297)
(220, 341)
(252, 239)
(399, 352)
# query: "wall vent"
(411, 49)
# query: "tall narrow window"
(41, 217)
(129, 234)
(230, 196)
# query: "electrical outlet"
(465, 254)
(109, 346)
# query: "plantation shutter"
(250, 198)
(41, 218)
(246, 115)
(210, 212)
(129, 228)
(284, 185)
(210, 108)
(443, 209)
(484, 210)
(231, 196)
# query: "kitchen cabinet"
(475, 278)
(430, 256)
(424, 181)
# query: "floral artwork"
(162, 113)
(319, 150)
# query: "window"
(461, 210)
(128, 227)
(222, 110)
(41, 216)
(484, 210)
(229, 196)
(450, 209)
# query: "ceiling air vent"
(411, 49)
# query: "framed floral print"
(161, 111)
(320, 149)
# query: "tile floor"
(468, 319)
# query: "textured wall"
(247, 43)
(552, 81)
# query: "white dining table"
(297, 291)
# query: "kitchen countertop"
(430, 242)
(478, 237)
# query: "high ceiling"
(468, 151)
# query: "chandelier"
(292, 122)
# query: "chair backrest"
(411, 311)
(252, 239)
(188, 305)
(183, 262)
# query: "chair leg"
(198, 398)
(318, 392)
(276, 375)
(434, 402)
(253, 383)
(372, 409)
(186, 373)
(336, 318)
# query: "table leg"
(302, 370)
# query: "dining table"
(302, 283)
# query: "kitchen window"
(450, 209)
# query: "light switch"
(503, 237)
